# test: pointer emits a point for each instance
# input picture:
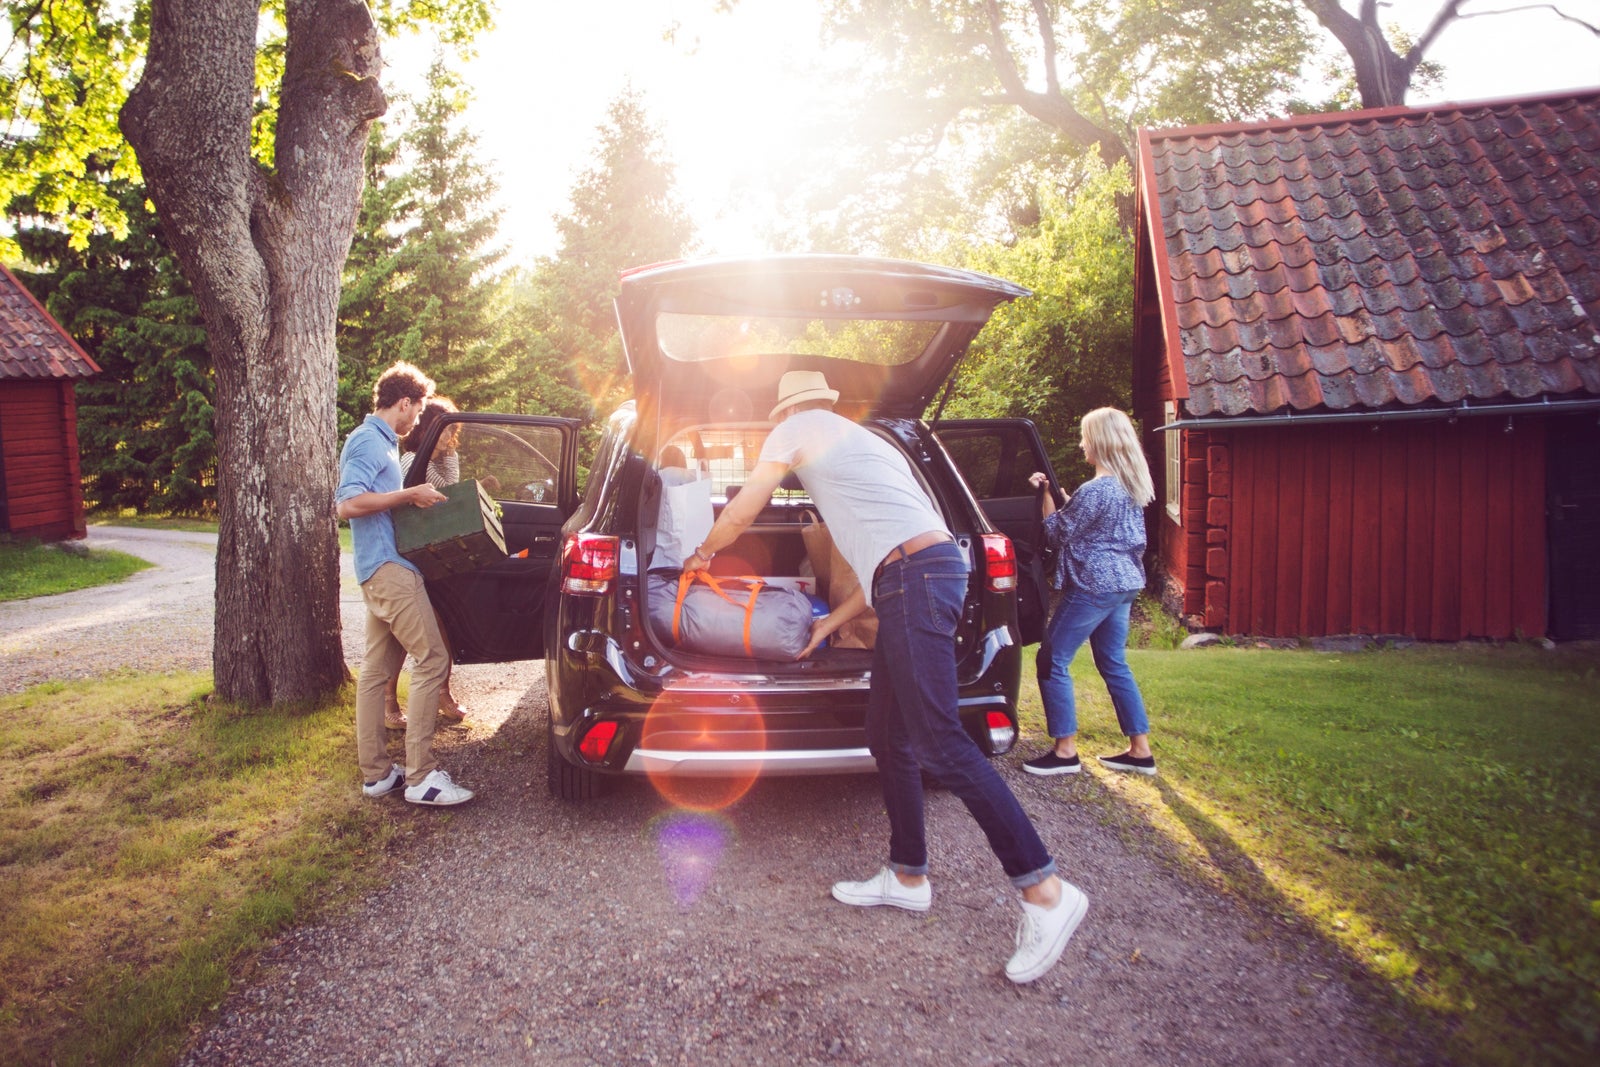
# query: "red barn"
(41, 492)
(1368, 365)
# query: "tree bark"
(264, 251)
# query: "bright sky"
(732, 92)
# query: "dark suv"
(706, 343)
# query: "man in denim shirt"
(400, 617)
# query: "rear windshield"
(884, 343)
(725, 454)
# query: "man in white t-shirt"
(897, 542)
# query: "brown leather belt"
(907, 549)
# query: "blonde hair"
(1111, 442)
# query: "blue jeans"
(1102, 620)
(912, 723)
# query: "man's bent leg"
(417, 628)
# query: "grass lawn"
(129, 517)
(29, 569)
(149, 841)
(1433, 811)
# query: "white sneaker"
(1044, 932)
(884, 888)
(387, 784)
(437, 790)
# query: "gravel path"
(521, 930)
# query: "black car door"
(996, 456)
(528, 464)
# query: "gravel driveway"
(521, 930)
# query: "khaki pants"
(400, 619)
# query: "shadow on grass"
(1417, 1037)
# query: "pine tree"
(420, 283)
(145, 423)
(625, 213)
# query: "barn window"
(1174, 451)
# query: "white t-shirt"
(861, 484)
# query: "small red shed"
(1367, 361)
(41, 491)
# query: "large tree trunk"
(264, 251)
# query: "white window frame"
(1174, 450)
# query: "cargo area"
(783, 557)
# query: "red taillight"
(597, 742)
(999, 563)
(588, 564)
(1002, 735)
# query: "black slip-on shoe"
(1050, 763)
(1125, 762)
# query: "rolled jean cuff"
(1023, 881)
(908, 870)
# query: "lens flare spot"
(708, 770)
(690, 847)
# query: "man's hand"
(423, 495)
(853, 605)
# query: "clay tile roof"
(1380, 258)
(32, 344)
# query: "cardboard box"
(460, 534)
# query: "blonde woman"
(1098, 534)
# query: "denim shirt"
(370, 463)
(1099, 539)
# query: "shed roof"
(32, 343)
(1378, 259)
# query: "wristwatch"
(704, 557)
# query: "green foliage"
(29, 569)
(67, 72)
(1068, 348)
(62, 81)
(942, 145)
(1431, 810)
(144, 423)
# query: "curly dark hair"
(436, 406)
(400, 382)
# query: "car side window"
(995, 463)
(520, 463)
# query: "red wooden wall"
(39, 448)
(1429, 528)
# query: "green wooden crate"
(455, 536)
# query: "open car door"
(528, 464)
(996, 456)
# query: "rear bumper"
(696, 725)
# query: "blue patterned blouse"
(1098, 538)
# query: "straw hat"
(798, 386)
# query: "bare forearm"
(373, 503)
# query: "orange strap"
(688, 578)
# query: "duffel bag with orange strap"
(721, 616)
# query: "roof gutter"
(1463, 410)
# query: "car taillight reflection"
(597, 742)
(999, 563)
(588, 564)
